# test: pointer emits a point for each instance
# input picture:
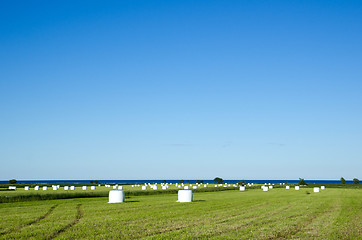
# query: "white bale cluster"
(12, 188)
(116, 196)
(185, 196)
(107, 185)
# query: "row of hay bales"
(163, 186)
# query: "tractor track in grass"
(66, 227)
(32, 222)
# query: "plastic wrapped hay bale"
(185, 196)
(116, 196)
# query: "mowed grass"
(253, 214)
(21, 195)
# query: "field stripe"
(75, 221)
(199, 221)
(218, 222)
(32, 222)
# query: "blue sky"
(180, 89)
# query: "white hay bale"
(265, 189)
(316, 189)
(55, 188)
(120, 187)
(93, 187)
(12, 188)
(144, 188)
(72, 188)
(36, 188)
(116, 196)
(323, 187)
(287, 187)
(114, 187)
(84, 188)
(66, 188)
(205, 185)
(185, 196)
(270, 187)
(242, 188)
(185, 187)
(26, 188)
(296, 187)
(194, 187)
(45, 188)
(164, 187)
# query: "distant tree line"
(218, 180)
(355, 180)
(13, 181)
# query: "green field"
(333, 213)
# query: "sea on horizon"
(176, 181)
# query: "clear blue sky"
(180, 89)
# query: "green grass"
(333, 213)
(20, 194)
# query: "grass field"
(333, 213)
